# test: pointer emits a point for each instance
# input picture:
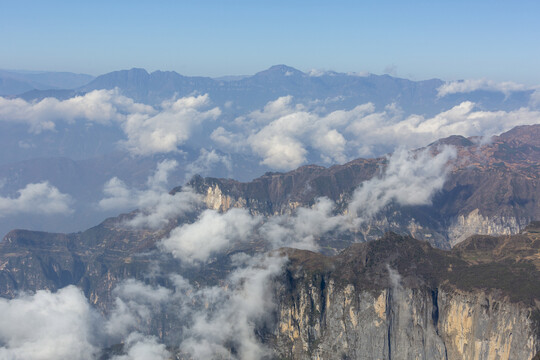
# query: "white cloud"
(301, 230)
(148, 130)
(212, 232)
(118, 195)
(470, 85)
(316, 73)
(230, 314)
(285, 135)
(278, 151)
(157, 206)
(290, 130)
(409, 179)
(135, 302)
(535, 98)
(206, 161)
(140, 347)
(63, 325)
(165, 131)
(101, 106)
(332, 146)
(227, 140)
(48, 326)
(377, 130)
(40, 198)
(282, 106)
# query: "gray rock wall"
(342, 322)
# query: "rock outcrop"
(402, 323)
(398, 298)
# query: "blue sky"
(499, 40)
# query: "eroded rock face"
(475, 223)
(402, 323)
(397, 298)
(477, 326)
(391, 298)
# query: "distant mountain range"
(252, 92)
(13, 82)
(357, 115)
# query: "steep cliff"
(397, 298)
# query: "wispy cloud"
(207, 161)
(409, 179)
(140, 347)
(302, 229)
(231, 313)
(156, 205)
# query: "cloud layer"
(285, 135)
(409, 179)
(148, 130)
(282, 135)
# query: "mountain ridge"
(254, 91)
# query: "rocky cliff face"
(474, 222)
(402, 323)
(392, 298)
(358, 306)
